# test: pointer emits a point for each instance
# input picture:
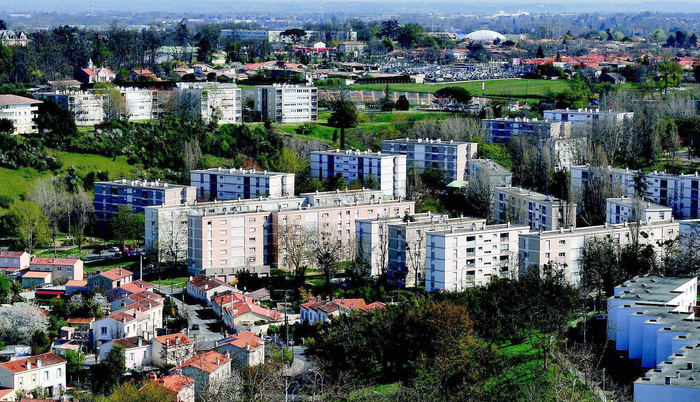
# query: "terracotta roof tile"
(54, 261)
(36, 274)
(173, 339)
(175, 382)
(116, 273)
(20, 365)
(12, 253)
(208, 362)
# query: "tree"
(28, 223)
(126, 225)
(402, 103)
(113, 103)
(97, 306)
(672, 72)
(40, 342)
(106, 374)
(288, 161)
(3, 25)
(9, 288)
(295, 240)
(19, 321)
(326, 249)
(82, 215)
(294, 34)
(49, 194)
(74, 364)
(540, 52)
(344, 116)
(7, 126)
(453, 95)
(386, 104)
(479, 196)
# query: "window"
(562, 242)
(46, 374)
(103, 330)
(21, 381)
(33, 378)
(131, 357)
(562, 255)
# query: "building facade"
(526, 207)
(585, 117)
(231, 184)
(623, 209)
(213, 100)
(21, 111)
(286, 103)
(62, 269)
(504, 129)
(136, 195)
(490, 172)
(375, 170)
(46, 371)
(448, 156)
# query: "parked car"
(195, 327)
(114, 249)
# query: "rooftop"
(533, 195)
(241, 172)
(490, 166)
(76, 283)
(140, 183)
(175, 382)
(437, 141)
(681, 370)
(208, 361)
(350, 152)
(116, 273)
(651, 288)
(589, 230)
(173, 339)
(29, 363)
(55, 261)
(245, 340)
(36, 274)
(648, 206)
(132, 342)
(12, 254)
(17, 100)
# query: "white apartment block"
(526, 207)
(389, 171)
(138, 103)
(341, 197)
(565, 247)
(579, 117)
(449, 156)
(214, 100)
(486, 169)
(231, 184)
(460, 258)
(503, 129)
(624, 209)
(136, 195)
(87, 108)
(680, 192)
(166, 226)
(21, 111)
(286, 103)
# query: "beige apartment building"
(458, 258)
(62, 269)
(538, 211)
(565, 247)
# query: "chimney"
(167, 342)
(218, 362)
(29, 365)
(140, 342)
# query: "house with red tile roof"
(62, 269)
(245, 349)
(321, 310)
(138, 75)
(137, 351)
(46, 371)
(180, 385)
(111, 279)
(240, 312)
(94, 75)
(203, 288)
(12, 261)
(74, 286)
(207, 369)
(171, 350)
(114, 326)
(127, 289)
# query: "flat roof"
(682, 369)
(348, 152)
(599, 229)
(141, 184)
(649, 288)
(428, 141)
(229, 203)
(522, 192)
(240, 172)
(478, 229)
(648, 206)
(492, 166)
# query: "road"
(205, 338)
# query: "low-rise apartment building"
(12, 261)
(386, 172)
(526, 207)
(87, 108)
(62, 269)
(503, 129)
(46, 372)
(565, 247)
(448, 156)
(245, 349)
(586, 116)
(213, 100)
(137, 195)
(286, 103)
(490, 172)
(624, 209)
(21, 112)
(341, 197)
(231, 184)
(460, 258)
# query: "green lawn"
(507, 87)
(176, 283)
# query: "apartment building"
(341, 197)
(166, 226)
(586, 116)
(376, 170)
(565, 247)
(137, 195)
(87, 108)
(407, 246)
(449, 156)
(526, 207)
(213, 100)
(62, 269)
(460, 258)
(46, 372)
(21, 111)
(171, 350)
(503, 129)
(231, 184)
(138, 103)
(680, 192)
(490, 171)
(624, 209)
(286, 103)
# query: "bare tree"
(326, 250)
(294, 239)
(415, 258)
(479, 196)
(460, 129)
(82, 214)
(53, 200)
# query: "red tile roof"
(12, 253)
(244, 338)
(131, 342)
(205, 283)
(121, 317)
(76, 283)
(173, 339)
(20, 365)
(116, 273)
(54, 261)
(80, 320)
(137, 286)
(208, 362)
(36, 274)
(5, 392)
(143, 72)
(175, 382)
(350, 303)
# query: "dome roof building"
(485, 35)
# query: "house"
(171, 350)
(353, 48)
(92, 75)
(613, 78)
(148, 314)
(13, 38)
(7, 394)
(12, 261)
(114, 326)
(74, 286)
(46, 371)
(128, 289)
(245, 349)
(62, 269)
(21, 111)
(111, 279)
(315, 311)
(208, 369)
(239, 312)
(204, 288)
(128, 300)
(261, 294)
(31, 279)
(137, 352)
(141, 75)
(180, 385)
(83, 327)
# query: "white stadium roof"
(485, 35)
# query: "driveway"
(206, 336)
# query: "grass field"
(508, 87)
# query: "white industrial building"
(213, 100)
(460, 258)
(231, 184)
(386, 171)
(625, 209)
(526, 207)
(21, 111)
(286, 103)
(448, 156)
